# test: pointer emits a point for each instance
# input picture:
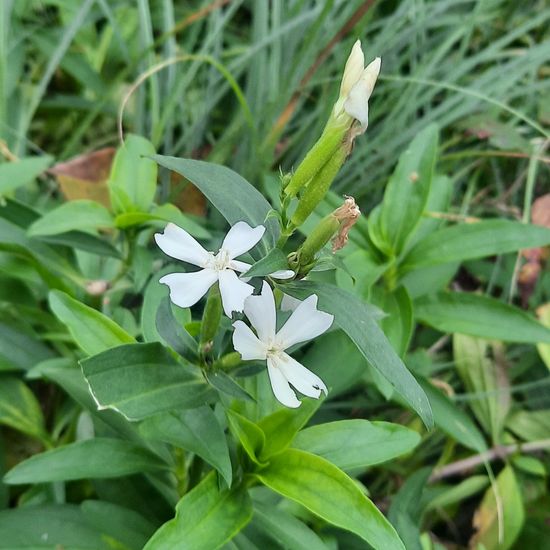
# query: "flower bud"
(317, 239)
(315, 159)
(318, 187)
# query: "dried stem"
(462, 467)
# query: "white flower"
(357, 86)
(305, 323)
(186, 289)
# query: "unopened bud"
(315, 159)
(317, 239)
(318, 187)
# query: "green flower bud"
(318, 187)
(317, 239)
(316, 158)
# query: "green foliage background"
(249, 85)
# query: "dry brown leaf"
(534, 257)
(85, 176)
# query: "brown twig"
(462, 467)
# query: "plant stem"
(461, 467)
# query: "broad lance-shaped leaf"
(452, 420)
(506, 518)
(480, 316)
(275, 260)
(229, 192)
(23, 528)
(92, 331)
(206, 518)
(82, 214)
(196, 430)
(355, 318)
(19, 408)
(329, 493)
(140, 380)
(133, 179)
(289, 531)
(88, 459)
(19, 173)
(474, 240)
(407, 191)
(357, 443)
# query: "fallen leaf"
(85, 176)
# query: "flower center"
(220, 261)
(274, 348)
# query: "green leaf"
(328, 492)
(407, 191)
(92, 331)
(457, 493)
(133, 179)
(480, 316)
(20, 350)
(543, 313)
(72, 215)
(125, 527)
(225, 384)
(287, 530)
(530, 425)
(486, 378)
(65, 525)
(196, 430)
(19, 173)
(250, 435)
(475, 240)
(452, 420)
(351, 444)
(356, 320)
(281, 427)
(274, 261)
(230, 193)
(154, 295)
(89, 459)
(82, 241)
(406, 508)
(488, 521)
(19, 408)
(206, 518)
(171, 331)
(140, 380)
(164, 213)
(398, 323)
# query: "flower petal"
(233, 291)
(247, 343)
(186, 289)
(260, 310)
(241, 267)
(357, 103)
(241, 238)
(289, 303)
(177, 243)
(302, 379)
(353, 69)
(305, 323)
(279, 384)
(283, 274)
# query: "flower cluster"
(305, 322)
